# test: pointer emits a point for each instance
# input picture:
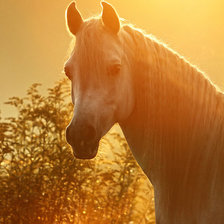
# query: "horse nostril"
(80, 136)
(90, 132)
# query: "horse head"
(100, 76)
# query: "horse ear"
(73, 18)
(110, 17)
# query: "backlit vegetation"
(42, 183)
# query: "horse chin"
(89, 152)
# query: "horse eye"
(114, 69)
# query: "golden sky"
(34, 40)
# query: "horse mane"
(146, 42)
(180, 115)
(155, 55)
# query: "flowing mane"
(182, 119)
(154, 59)
(149, 44)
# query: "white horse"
(171, 114)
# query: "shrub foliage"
(42, 183)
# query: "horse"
(171, 114)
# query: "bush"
(41, 182)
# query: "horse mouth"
(86, 150)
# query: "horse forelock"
(90, 49)
(87, 50)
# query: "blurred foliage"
(42, 183)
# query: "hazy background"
(34, 40)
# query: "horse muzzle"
(83, 141)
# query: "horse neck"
(177, 110)
(176, 133)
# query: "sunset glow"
(34, 38)
(133, 131)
